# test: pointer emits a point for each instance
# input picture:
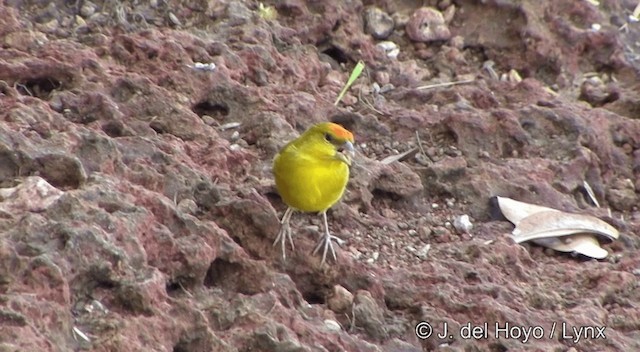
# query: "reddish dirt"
(154, 228)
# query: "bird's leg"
(285, 232)
(326, 241)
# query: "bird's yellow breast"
(308, 183)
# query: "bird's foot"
(285, 233)
(283, 236)
(327, 243)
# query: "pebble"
(375, 255)
(208, 120)
(448, 13)
(173, 19)
(596, 92)
(340, 299)
(386, 88)
(389, 48)
(425, 233)
(88, 9)
(381, 77)
(400, 19)
(440, 231)
(426, 25)
(422, 159)
(457, 42)
(378, 23)
(423, 252)
(444, 4)
(332, 325)
(187, 206)
(463, 224)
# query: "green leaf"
(357, 71)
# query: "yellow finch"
(311, 175)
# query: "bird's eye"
(328, 137)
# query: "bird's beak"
(346, 152)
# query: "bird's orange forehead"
(340, 132)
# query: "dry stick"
(368, 104)
(590, 192)
(446, 84)
(420, 144)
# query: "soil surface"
(139, 210)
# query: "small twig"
(420, 144)
(275, 302)
(185, 290)
(446, 84)
(368, 104)
(20, 85)
(590, 192)
(362, 99)
(352, 324)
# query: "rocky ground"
(138, 208)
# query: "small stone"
(389, 48)
(457, 42)
(375, 255)
(440, 231)
(50, 26)
(332, 325)
(426, 25)
(422, 159)
(444, 4)
(369, 315)
(173, 19)
(340, 300)
(622, 195)
(423, 252)
(349, 100)
(425, 233)
(378, 23)
(88, 9)
(386, 88)
(514, 76)
(400, 19)
(449, 13)
(208, 120)
(393, 54)
(463, 224)
(381, 77)
(80, 22)
(34, 194)
(187, 206)
(595, 92)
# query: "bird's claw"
(285, 233)
(283, 236)
(327, 243)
